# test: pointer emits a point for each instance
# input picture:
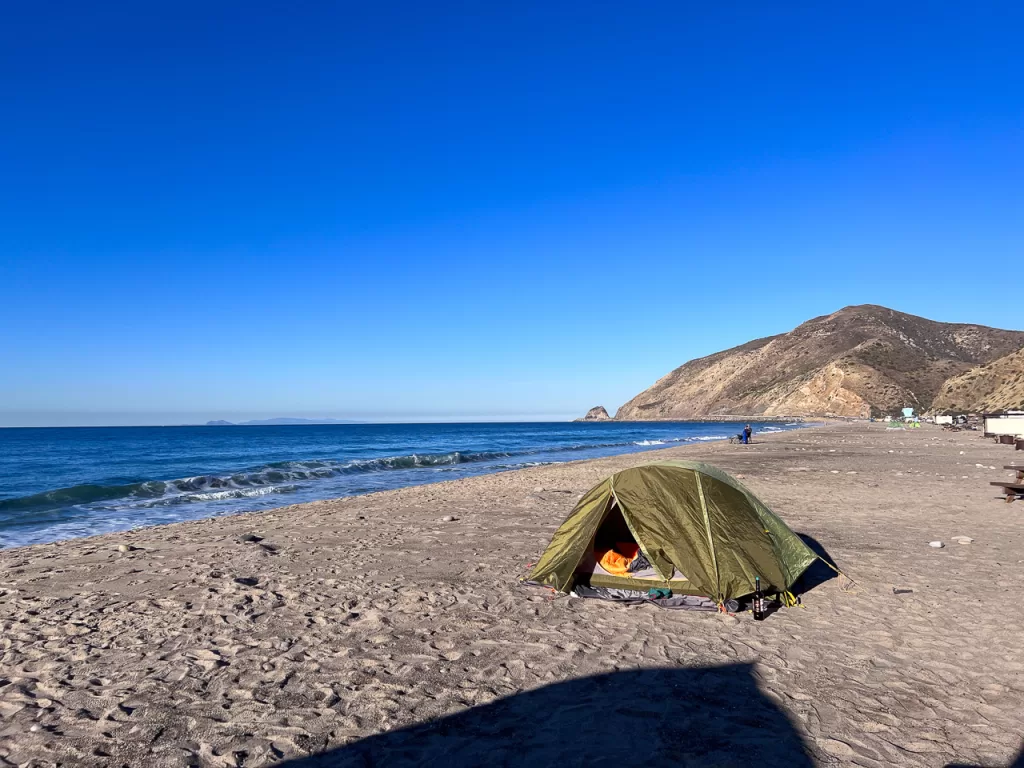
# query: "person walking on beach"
(748, 433)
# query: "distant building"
(1003, 423)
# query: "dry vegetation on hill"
(862, 360)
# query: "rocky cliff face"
(997, 386)
(859, 361)
(596, 414)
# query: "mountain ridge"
(996, 386)
(858, 361)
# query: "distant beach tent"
(699, 530)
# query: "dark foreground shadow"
(818, 573)
(1018, 762)
(704, 716)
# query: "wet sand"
(372, 631)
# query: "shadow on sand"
(1018, 762)
(703, 716)
(818, 573)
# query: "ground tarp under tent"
(682, 526)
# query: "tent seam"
(707, 529)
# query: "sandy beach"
(373, 631)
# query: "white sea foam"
(237, 493)
(90, 508)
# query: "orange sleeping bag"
(616, 561)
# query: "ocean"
(61, 483)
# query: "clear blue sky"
(480, 210)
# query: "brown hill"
(859, 361)
(994, 387)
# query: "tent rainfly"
(700, 531)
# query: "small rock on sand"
(963, 539)
(124, 548)
(249, 538)
(936, 544)
(448, 519)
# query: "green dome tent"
(701, 532)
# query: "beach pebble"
(249, 538)
(902, 590)
(448, 519)
(936, 544)
(963, 539)
(247, 581)
(123, 548)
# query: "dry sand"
(373, 631)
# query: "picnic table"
(1013, 490)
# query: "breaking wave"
(216, 473)
(273, 478)
(283, 477)
(302, 476)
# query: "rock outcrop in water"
(596, 414)
(860, 361)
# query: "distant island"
(278, 422)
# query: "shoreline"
(353, 624)
(148, 499)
